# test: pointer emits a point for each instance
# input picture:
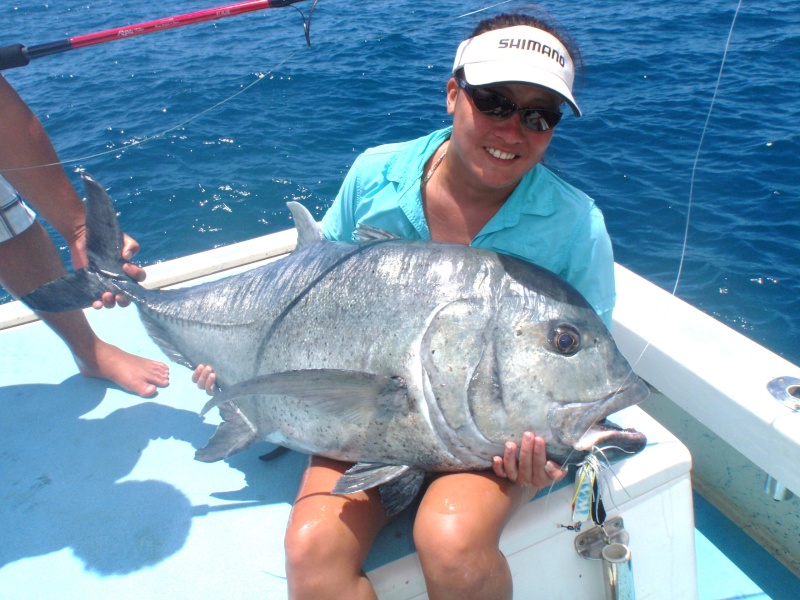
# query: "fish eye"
(565, 339)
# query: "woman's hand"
(205, 378)
(531, 468)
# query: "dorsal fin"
(308, 230)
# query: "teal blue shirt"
(545, 221)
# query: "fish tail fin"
(76, 290)
(103, 233)
(104, 251)
(234, 434)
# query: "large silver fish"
(402, 356)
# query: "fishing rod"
(18, 55)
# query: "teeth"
(500, 154)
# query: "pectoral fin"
(400, 492)
(353, 396)
(398, 484)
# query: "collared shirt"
(15, 216)
(545, 220)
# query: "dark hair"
(540, 19)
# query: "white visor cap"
(520, 54)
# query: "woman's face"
(496, 154)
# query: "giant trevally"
(402, 356)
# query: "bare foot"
(132, 373)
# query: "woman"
(479, 183)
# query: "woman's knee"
(453, 559)
(309, 545)
(457, 533)
(458, 566)
(324, 558)
(309, 551)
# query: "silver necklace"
(432, 170)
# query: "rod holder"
(618, 572)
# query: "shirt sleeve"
(339, 222)
(591, 266)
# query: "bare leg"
(30, 260)
(457, 534)
(328, 537)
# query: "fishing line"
(485, 8)
(147, 139)
(694, 167)
(259, 78)
(691, 191)
(700, 146)
(163, 133)
(125, 147)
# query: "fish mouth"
(611, 439)
(585, 428)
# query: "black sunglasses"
(499, 107)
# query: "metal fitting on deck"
(776, 490)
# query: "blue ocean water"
(203, 133)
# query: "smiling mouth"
(500, 154)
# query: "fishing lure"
(586, 501)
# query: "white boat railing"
(715, 374)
